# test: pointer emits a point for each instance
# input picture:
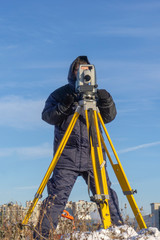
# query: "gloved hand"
(68, 100)
(65, 105)
(103, 96)
(106, 105)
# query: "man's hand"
(68, 100)
(106, 105)
(102, 95)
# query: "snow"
(117, 233)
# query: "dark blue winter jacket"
(76, 154)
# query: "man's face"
(76, 70)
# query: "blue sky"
(38, 41)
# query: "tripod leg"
(121, 176)
(51, 167)
(99, 173)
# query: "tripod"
(92, 114)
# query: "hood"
(71, 76)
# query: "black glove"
(68, 100)
(103, 96)
(65, 105)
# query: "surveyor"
(75, 159)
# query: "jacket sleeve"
(106, 105)
(54, 111)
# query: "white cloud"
(20, 113)
(133, 31)
(26, 187)
(146, 145)
(46, 150)
(125, 31)
(138, 77)
(28, 153)
(46, 65)
(131, 65)
(142, 6)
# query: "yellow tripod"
(92, 115)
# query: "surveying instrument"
(86, 86)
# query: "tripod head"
(86, 81)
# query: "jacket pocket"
(71, 142)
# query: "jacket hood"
(71, 76)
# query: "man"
(75, 159)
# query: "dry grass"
(11, 229)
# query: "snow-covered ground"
(116, 233)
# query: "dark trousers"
(59, 188)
